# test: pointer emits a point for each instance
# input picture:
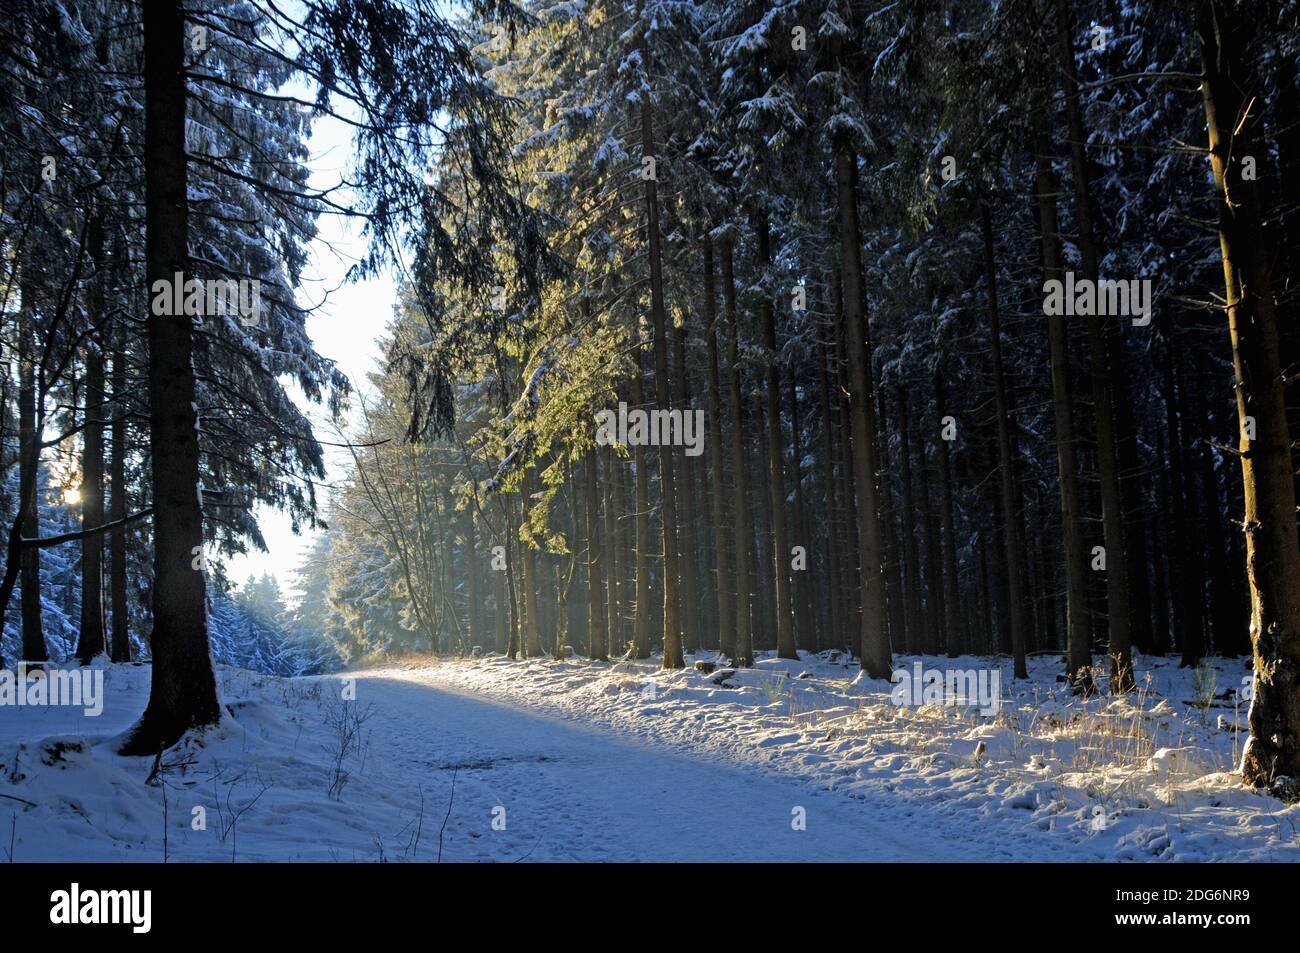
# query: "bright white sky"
(344, 329)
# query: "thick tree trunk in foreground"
(873, 640)
(183, 690)
(1233, 116)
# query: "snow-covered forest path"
(576, 792)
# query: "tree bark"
(613, 596)
(724, 582)
(90, 641)
(1078, 646)
(834, 578)
(785, 645)
(1112, 514)
(804, 619)
(873, 640)
(641, 621)
(1013, 533)
(28, 558)
(686, 492)
(532, 629)
(596, 633)
(120, 640)
(183, 690)
(952, 634)
(914, 640)
(1233, 118)
(744, 646)
(659, 322)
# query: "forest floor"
(492, 760)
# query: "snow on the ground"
(492, 760)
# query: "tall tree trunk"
(472, 579)
(183, 690)
(659, 322)
(935, 611)
(873, 639)
(1189, 595)
(744, 646)
(762, 570)
(1112, 513)
(1078, 645)
(640, 461)
(120, 640)
(785, 645)
(1184, 616)
(936, 605)
(511, 543)
(1161, 547)
(596, 641)
(501, 614)
(90, 641)
(1233, 117)
(851, 587)
(834, 578)
(952, 639)
(686, 491)
(914, 637)
(724, 582)
(613, 596)
(889, 537)
(1013, 534)
(29, 455)
(532, 628)
(805, 620)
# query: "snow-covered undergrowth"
(274, 781)
(624, 761)
(1147, 776)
